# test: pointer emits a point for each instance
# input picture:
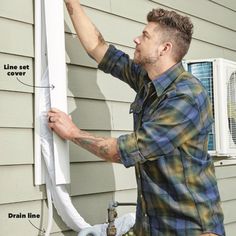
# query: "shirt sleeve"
(175, 121)
(119, 64)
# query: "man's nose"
(137, 41)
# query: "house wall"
(97, 103)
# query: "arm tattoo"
(100, 37)
(101, 41)
(70, 8)
(105, 148)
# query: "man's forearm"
(103, 147)
(62, 125)
(90, 37)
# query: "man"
(177, 188)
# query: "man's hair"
(175, 28)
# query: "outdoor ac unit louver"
(218, 76)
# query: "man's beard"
(145, 61)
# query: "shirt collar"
(162, 82)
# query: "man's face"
(148, 45)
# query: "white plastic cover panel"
(50, 55)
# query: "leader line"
(51, 86)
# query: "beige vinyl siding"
(230, 4)
(22, 227)
(16, 109)
(13, 40)
(10, 83)
(108, 115)
(20, 187)
(18, 10)
(96, 102)
(15, 141)
(94, 84)
(200, 9)
(226, 176)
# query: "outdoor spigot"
(112, 214)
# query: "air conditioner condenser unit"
(218, 76)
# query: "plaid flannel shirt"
(177, 188)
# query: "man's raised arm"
(90, 37)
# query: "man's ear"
(166, 48)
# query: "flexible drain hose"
(60, 195)
(50, 210)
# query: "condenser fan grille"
(231, 106)
(204, 72)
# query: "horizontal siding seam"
(196, 16)
(12, 54)
(16, 20)
(18, 55)
(210, 43)
(228, 8)
(142, 22)
(25, 201)
(97, 99)
(222, 178)
(127, 46)
(16, 91)
(230, 223)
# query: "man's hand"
(62, 124)
(104, 147)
